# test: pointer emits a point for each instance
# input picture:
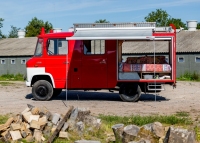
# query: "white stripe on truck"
(36, 71)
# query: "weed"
(182, 114)
(142, 120)
(6, 83)
(188, 76)
(12, 77)
(197, 132)
(3, 118)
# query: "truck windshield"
(38, 51)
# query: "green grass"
(12, 77)
(188, 76)
(142, 120)
(4, 83)
(182, 114)
(3, 118)
(197, 132)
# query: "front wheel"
(42, 90)
(130, 92)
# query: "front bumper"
(28, 83)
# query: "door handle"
(65, 62)
(103, 61)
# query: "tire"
(130, 92)
(42, 90)
(56, 92)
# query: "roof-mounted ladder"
(114, 25)
(121, 25)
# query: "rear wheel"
(56, 92)
(42, 90)
(130, 92)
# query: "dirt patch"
(186, 97)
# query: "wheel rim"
(42, 91)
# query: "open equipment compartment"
(150, 63)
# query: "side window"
(94, 47)
(38, 51)
(57, 47)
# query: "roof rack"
(122, 25)
(162, 29)
(114, 25)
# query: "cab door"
(94, 64)
(57, 61)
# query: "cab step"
(155, 87)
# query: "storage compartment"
(148, 63)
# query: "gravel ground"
(185, 97)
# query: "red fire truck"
(90, 58)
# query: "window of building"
(94, 47)
(57, 47)
(197, 59)
(12, 61)
(181, 59)
(167, 59)
(23, 61)
(3, 61)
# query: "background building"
(14, 53)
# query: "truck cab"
(90, 58)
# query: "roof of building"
(18, 46)
(187, 41)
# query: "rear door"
(94, 64)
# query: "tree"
(177, 22)
(1, 20)
(1, 25)
(102, 21)
(159, 16)
(13, 32)
(162, 18)
(198, 25)
(34, 27)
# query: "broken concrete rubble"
(40, 125)
(36, 124)
(179, 135)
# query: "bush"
(12, 77)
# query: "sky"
(64, 13)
